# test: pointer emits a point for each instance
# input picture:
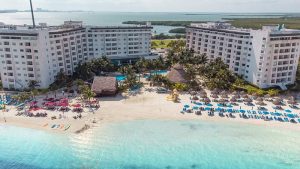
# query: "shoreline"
(147, 105)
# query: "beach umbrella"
(292, 98)
(193, 93)
(259, 99)
(195, 107)
(288, 111)
(76, 105)
(248, 100)
(242, 111)
(229, 110)
(277, 101)
(207, 109)
(233, 99)
(215, 96)
(261, 103)
(186, 106)
(277, 114)
(237, 96)
(234, 93)
(219, 109)
(210, 105)
(198, 103)
(290, 115)
(245, 96)
(266, 113)
(195, 98)
(203, 95)
(222, 100)
(203, 92)
(224, 96)
(207, 100)
(291, 102)
(223, 92)
(215, 91)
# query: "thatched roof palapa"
(104, 85)
(177, 74)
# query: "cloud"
(160, 5)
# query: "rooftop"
(104, 85)
(227, 27)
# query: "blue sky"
(160, 5)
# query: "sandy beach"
(146, 104)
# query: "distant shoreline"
(291, 22)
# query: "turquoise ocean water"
(152, 145)
(116, 18)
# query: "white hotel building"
(39, 54)
(266, 58)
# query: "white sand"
(145, 105)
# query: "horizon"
(218, 6)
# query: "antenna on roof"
(32, 15)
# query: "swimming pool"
(160, 72)
(157, 72)
(120, 77)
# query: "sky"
(159, 5)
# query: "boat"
(67, 127)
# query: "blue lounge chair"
(286, 120)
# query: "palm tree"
(87, 92)
(32, 84)
(34, 93)
(200, 59)
(84, 71)
(141, 66)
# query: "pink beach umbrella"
(76, 105)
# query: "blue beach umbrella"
(277, 114)
(288, 111)
(195, 107)
(210, 105)
(199, 104)
(186, 106)
(207, 109)
(229, 110)
(266, 113)
(242, 111)
(290, 115)
(218, 109)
